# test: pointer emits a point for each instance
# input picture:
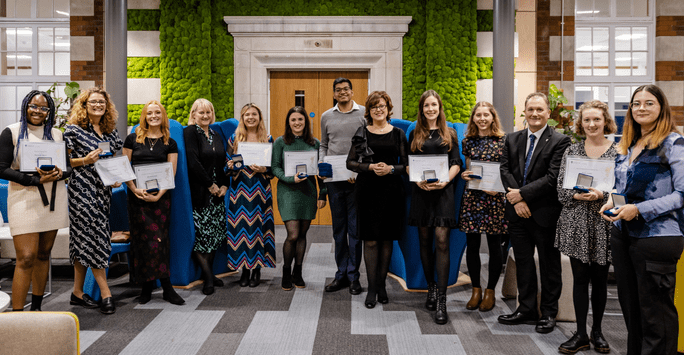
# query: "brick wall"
(85, 27)
(548, 59)
(669, 66)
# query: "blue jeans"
(343, 210)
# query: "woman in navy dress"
(92, 121)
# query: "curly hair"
(79, 111)
(609, 125)
(372, 100)
(144, 127)
(241, 130)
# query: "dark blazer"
(540, 191)
(204, 160)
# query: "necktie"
(528, 158)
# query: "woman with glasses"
(378, 155)
(36, 202)
(646, 240)
(92, 124)
(250, 210)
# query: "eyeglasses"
(95, 103)
(379, 107)
(647, 104)
(344, 89)
(36, 107)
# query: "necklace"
(431, 132)
(380, 130)
(153, 142)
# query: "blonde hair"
(241, 130)
(204, 103)
(144, 127)
(471, 129)
(79, 112)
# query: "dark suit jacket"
(540, 190)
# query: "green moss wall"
(439, 50)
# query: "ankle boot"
(170, 294)
(36, 302)
(208, 287)
(297, 277)
(244, 279)
(146, 293)
(441, 316)
(431, 302)
(287, 278)
(488, 301)
(475, 299)
(256, 278)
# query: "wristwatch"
(392, 171)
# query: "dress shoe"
(575, 344)
(441, 316)
(244, 278)
(355, 288)
(173, 298)
(218, 282)
(545, 325)
(382, 296)
(107, 306)
(431, 302)
(85, 302)
(256, 278)
(488, 301)
(208, 288)
(475, 299)
(517, 318)
(370, 300)
(599, 342)
(336, 285)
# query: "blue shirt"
(654, 182)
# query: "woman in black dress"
(206, 157)
(432, 204)
(378, 154)
(148, 213)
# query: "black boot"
(287, 278)
(202, 259)
(441, 316)
(431, 302)
(244, 279)
(599, 342)
(578, 342)
(146, 293)
(36, 302)
(170, 294)
(256, 277)
(297, 277)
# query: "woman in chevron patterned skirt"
(251, 243)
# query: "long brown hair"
(241, 130)
(144, 127)
(665, 124)
(422, 130)
(472, 131)
(79, 112)
(289, 136)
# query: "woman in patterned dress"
(206, 157)
(296, 195)
(93, 120)
(33, 220)
(582, 234)
(483, 211)
(250, 211)
(432, 204)
(148, 213)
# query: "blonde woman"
(251, 239)
(148, 212)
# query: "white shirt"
(355, 107)
(537, 134)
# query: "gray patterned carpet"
(268, 320)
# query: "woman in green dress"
(296, 194)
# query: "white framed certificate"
(114, 170)
(32, 152)
(491, 176)
(418, 164)
(602, 170)
(161, 172)
(339, 168)
(306, 157)
(255, 153)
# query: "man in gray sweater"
(338, 125)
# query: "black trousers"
(526, 234)
(645, 271)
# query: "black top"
(151, 151)
(7, 157)
(205, 163)
(389, 148)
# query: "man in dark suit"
(529, 172)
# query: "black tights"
(473, 258)
(205, 262)
(440, 255)
(295, 243)
(377, 255)
(582, 274)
